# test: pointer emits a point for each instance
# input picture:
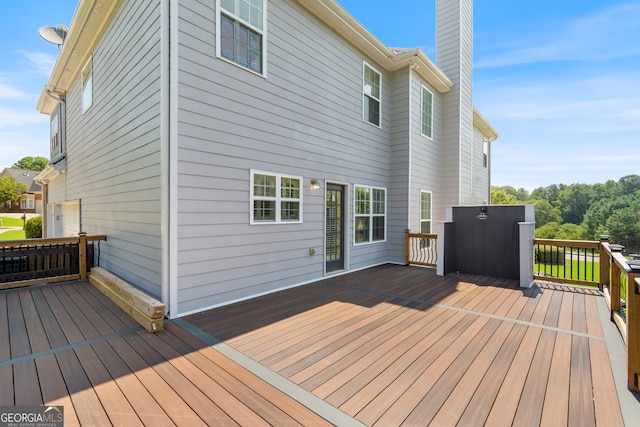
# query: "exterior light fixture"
(315, 184)
(483, 214)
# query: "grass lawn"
(572, 270)
(11, 222)
(12, 235)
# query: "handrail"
(421, 249)
(33, 261)
(622, 273)
(567, 261)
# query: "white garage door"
(64, 220)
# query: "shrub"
(33, 228)
(550, 256)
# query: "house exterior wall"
(163, 166)
(304, 118)
(113, 148)
(481, 182)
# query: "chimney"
(454, 56)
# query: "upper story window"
(241, 32)
(57, 136)
(371, 90)
(275, 198)
(485, 153)
(87, 85)
(370, 214)
(427, 113)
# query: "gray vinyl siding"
(113, 149)
(425, 157)
(304, 118)
(480, 173)
(400, 164)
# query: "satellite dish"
(55, 35)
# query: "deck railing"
(421, 249)
(623, 298)
(567, 261)
(32, 261)
(598, 264)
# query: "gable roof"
(26, 177)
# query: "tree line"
(583, 211)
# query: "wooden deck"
(387, 346)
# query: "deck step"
(143, 308)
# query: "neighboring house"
(231, 148)
(31, 200)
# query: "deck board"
(391, 345)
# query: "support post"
(407, 247)
(527, 235)
(633, 330)
(82, 251)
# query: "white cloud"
(606, 34)
(42, 63)
(9, 91)
(17, 117)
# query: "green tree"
(554, 230)
(31, 163)
(10, 189)
(629, 184)
(573, 202)
(521, 195)
(607, 190)
(545, 213)
(501, 197)
(598, 214)
(624, 228)
(549, 193)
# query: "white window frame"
(424, 91)
(87, 84)
(428, 220)
(367, 93)
(485, 153)
(279, 199)
(261, 31)
(369, 214)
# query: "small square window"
(275, 198)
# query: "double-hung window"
(370, 214)
(427, 113)
(425, 212)
(275, 198)
(241, 32)
(371, 90)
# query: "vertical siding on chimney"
(454, 56)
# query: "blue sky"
(559, 80)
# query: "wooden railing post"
(407, 247)
(614, 288)
(82, 250)
(604, 263)
(633, 330)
